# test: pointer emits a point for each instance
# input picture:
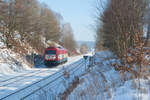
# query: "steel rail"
(74, 69)
(60, 71)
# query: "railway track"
(74, 69)
(46, 80)
(18, 78)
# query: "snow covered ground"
(18, 81)
(10, 62)
(18, 84)
(102, 82)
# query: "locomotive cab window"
(50, 51)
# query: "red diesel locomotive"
(55, 55)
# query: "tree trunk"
(147, 35)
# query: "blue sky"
(79, 13)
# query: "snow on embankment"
(102, 82)
(11, 62)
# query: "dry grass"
(72, 86)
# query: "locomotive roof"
(56, 47)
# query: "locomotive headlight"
(59, 56)
(47, 57)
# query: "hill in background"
(90, 44)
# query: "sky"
(79, 13)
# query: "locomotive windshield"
(50, 51)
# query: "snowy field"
(102, 82)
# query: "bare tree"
(147, 25)
(120, 22)
(7, 20)
(83, 48)
(67, 39)
(34, 23)
(27, 17)
(50, 24)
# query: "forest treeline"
(124, 28)
(34, 23)
(119, 23)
